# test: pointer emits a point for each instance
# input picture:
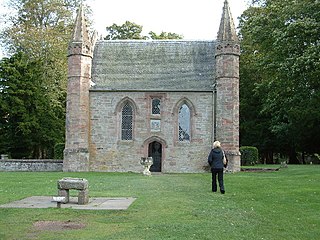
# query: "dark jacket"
(215, 158)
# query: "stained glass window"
(184, 123)
(126, 124)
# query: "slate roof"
(153, 65)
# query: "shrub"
(58, 151)
(249, 155)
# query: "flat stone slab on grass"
(259, 169)
(94, 203)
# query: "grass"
(269, 205)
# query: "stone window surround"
(118, 111)
(152, 101)
(127, 122)
(149, 96)
(186, 120)
(175, 113)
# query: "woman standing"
(216, 160)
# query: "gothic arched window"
(184, 123)
(127, 121)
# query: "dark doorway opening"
(155, 151)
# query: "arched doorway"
(155, 151)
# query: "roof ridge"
(156, 41)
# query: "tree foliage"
(37, 36)
(280, 70)
(41, 29)
(30, 125)
(130, 30)
(164, 35)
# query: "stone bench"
(80, 184)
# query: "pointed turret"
(226, 93)
(227, 31)
(80, 36)
(80, 53)
(80, 29)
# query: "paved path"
(94, 203)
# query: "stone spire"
(226, 93)
(80, 30)
(81, 42)
(80, 53)
(227, 31)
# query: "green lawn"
(269, 205)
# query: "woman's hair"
(216, 144)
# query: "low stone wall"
(31, 165)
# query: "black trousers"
(217, 172)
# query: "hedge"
(249, 155)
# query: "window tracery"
(127, 121)
(184, 120)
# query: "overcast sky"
(194, 19)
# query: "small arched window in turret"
(184, 123)
(127, 121)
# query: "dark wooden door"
(155, 151)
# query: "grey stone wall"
(13, 165)
(109, 153)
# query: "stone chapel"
(167, 99)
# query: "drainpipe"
(214, 111)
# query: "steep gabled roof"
(154, 65)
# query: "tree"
(29, 126)
(39, 32)
(280, 44)
(41, 29)
(130, 30)
(165, 35)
